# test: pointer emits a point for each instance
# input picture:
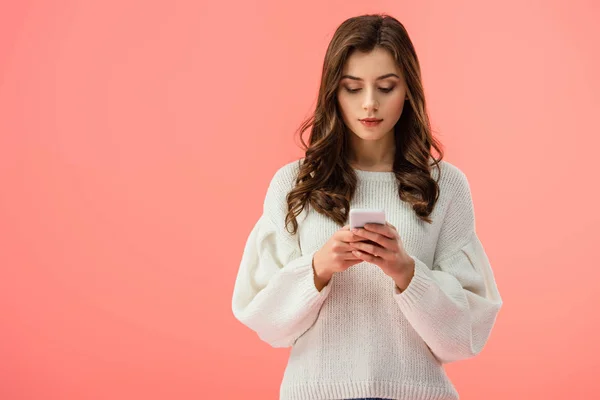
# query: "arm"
(275, 292)
(453, 306)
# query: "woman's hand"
(334, 256)
(386, 251)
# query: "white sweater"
(359, 336)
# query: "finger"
(348, 255)
(341, 247)
(366, 257)
(374, 250)
(345, 248)
(353, 258)
(370, 242)
(346, 235)
(349, 237)
(391, 226)
(384, 230)
(381, 240)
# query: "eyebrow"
(360, 79)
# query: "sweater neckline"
(386, 176)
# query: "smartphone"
(361, 216)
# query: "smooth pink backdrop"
(137, 140)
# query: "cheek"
(396, 105)
(344, 102)
(345, 107)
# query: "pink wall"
(137, 140)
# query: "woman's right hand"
(335, 256)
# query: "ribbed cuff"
(305, 275)
(420, 283)
(294, 298)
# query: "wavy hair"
(325, 180)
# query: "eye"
(384, 90)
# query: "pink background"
(137, 140)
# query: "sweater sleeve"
(453, 305)
(274, 293)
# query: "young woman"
(373, 313)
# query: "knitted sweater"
(359, 336)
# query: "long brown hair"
(325, 180)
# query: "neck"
(374, 155)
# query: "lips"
(370, 122)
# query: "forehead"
(370, 65)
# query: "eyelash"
(384, 90)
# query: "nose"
(370, 101)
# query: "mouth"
(370, 120)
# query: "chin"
(370, 137)
(370, 134)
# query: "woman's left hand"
(387, 252)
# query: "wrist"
(321, 277)
(319, 271)
(404, 277)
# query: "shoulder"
(284, 177)
(454, 189)
(275, 205)
(287, 172)
(451, 178)
(455, 194)
(282, 182)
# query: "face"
(372, 86)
